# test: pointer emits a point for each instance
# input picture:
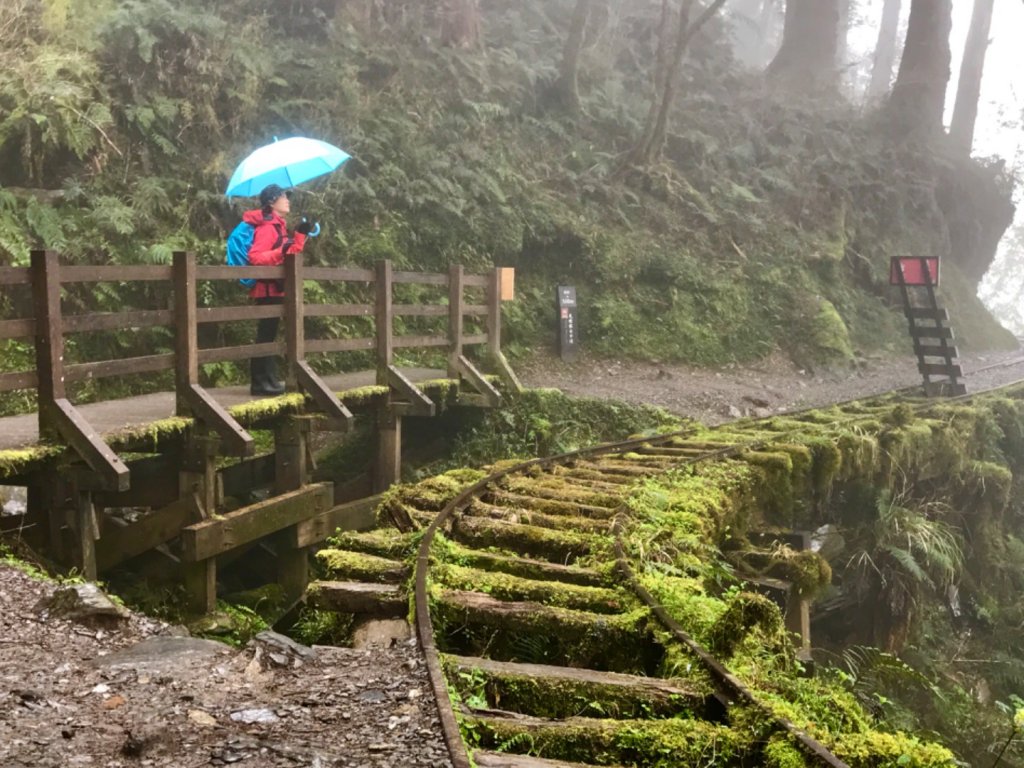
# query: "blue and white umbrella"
(286, 163)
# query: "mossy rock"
(745, 614)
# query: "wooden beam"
(940, 369)
(294, 318)
(154, 484)
(212, 537)
(456, 319)
(86, 532)
(385, 331)
(504, 370)
(387, 469)
(324, 397)
(357, 515)
(476, 379)
(235, 440)
(380, 600)
(49, 341)
(238, 479)
(86, 442)
(158, 527)
(420, 404)
(186, 341)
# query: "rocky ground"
(114, 690)
(123, 690)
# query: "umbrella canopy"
(285, 163)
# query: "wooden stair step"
(537, 518)
(505, 760)
(542, 690)
(558, 490)
(504, 586)
(383, 542)
(534, 569)
(550, 506)
(344, 565)
(526, 631)
(590, 474)
(385, 601)
(556, 546)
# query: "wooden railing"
(48, 325)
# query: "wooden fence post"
(388, 465)
(294, 333)
(384, 321)
(456, 312)
(49, 340)
(186, 337)
(494, 312)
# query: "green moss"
(265, 409)
(363, 395)
(383, 542)
(16, 461)
(359, 566)
(267, 601)
(780, 753)
(745, 614)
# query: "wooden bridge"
(181, 454)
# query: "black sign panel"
(568, 322)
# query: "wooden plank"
(239, 273)
(456, 311)
(21, 380)
(15, 276)
(421, 404)
(294, 329)
(324, 398)
(409, 342)
(80, 435)
(378, 600)
(24, 328)
(86, 533)
(339, 310)
(494, 311)
(212, 537)
(387, 466)
(158, 527)
(940, 369)
(241, 478)
(123, 367)
(928, 313)
(231, 314)
(345, 274)
(476, 380)
(476, 338)
(121, 273)
(936, 350)
(357, 515)
(421, 310)
(219, 354)
(420, 278)
(49, 342)
(111, 321)
(478, 281)
(339, 345)
(484, 759)
(154, 484)
(931, 333)
(186, 339)
(385, 332)
(475, 310)
(235, 440)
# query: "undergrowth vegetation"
(764, 224)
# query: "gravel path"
(133, 694)
(773, 386)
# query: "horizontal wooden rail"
(240, 273)
(476, 281)
(339, 345)
(18, 380)
(229, 314)
(114, 274)
(223, 354)
(342, 274)
(420, 341)
(476, 338)
(15, 276)
(24, 328)
(104, 368)
(420, 278)
(112, 321)
(420, 310)
(338, 310)
(477, 310)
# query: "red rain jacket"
(267, 250)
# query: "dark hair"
(270, 193)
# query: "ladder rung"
(936, 350)
(940, 369)
(928, 313)
(932, 333)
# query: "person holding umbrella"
(272, 169)
(271, 242)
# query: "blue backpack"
(239, 243)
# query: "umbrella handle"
(315, 230)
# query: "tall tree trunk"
(807, 59)
(965, 111)
(685, 32)
(460, 23)
(567, 86)
(919, 95)
(885, 52)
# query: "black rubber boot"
(263, 377)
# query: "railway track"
(539, 635)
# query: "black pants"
(263, 370)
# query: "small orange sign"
(508, 283)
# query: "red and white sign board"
(914, 272)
